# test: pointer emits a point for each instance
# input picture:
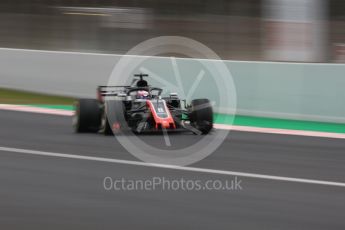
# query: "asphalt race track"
(45, 192)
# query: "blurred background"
(276, 30)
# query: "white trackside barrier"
(283, 90)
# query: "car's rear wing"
(104, 91)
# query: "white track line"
(31, 109)
(24, 108)
(190, 169)
(280, 131)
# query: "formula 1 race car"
(141, 108)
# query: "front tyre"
(87, 117)
(201, 115)
(115, 117)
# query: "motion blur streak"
(284, 30)
(40, 192)
(163, 166)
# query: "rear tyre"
(87, 116)
(201, 115)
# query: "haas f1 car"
(140, 108)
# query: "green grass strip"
(62, 107)
(16, 97)
(264, 122)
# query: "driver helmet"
(142, 94)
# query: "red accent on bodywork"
(116, 126)
(166, 123)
